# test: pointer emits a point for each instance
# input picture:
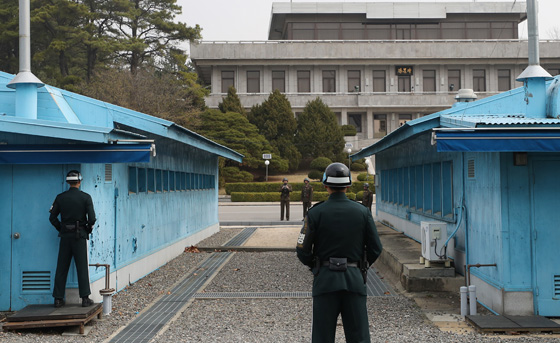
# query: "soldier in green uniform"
(306, 196)
(77, 219)
(339, 242)
(285, 190)
(367, 199)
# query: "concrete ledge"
(401, 256)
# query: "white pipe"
(533, 32)
(472, 299)
(24, 36)
(464, 305)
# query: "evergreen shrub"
(315, 175)
(349, 130)
(320, 164)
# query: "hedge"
(363, 176)
(275, 196)
(274, 187)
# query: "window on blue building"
(166, 180)
(406, 187)
(436, 189)
(412, 195)
(159, 180)
(142, 180)
(447, 190)
(151, 180)
(132, 180)
(428, 188)
(171, 181)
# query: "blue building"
(489, 170)
(153, 183)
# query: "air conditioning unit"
(434, 235)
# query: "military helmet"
(73, 176)
(285, 179)
(306, 179)
(366, 185)
(337, 175)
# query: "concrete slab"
(75, 331)
(277, 237)
(419, 270)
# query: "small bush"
(320, 163)
(358, 166)
(348, 130)
(233, 174)
(315, 175)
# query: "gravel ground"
(128, 302)
(392, 319)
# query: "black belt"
(349, 264)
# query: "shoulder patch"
(317, 204)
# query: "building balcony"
(382, 102)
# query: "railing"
(524, 41)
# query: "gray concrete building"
(376, 64)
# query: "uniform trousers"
(285, 204)
(306, 206)
(71, 247)
(352, 307)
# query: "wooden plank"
(53, 322)
(48, 312)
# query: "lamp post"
(349, 162)
(367, 168)
(266, 163)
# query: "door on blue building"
(546, 236)
(5, 234)
(34, 242)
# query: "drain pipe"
(534, 76)
(107, 292)
(478, 265)
(25, 83)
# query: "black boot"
(86, 301)
(58, 302)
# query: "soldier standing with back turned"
(339, 242)
(77, 219)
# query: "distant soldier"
(306, 196)
(367, 199)
(285, 199)
(77, 219)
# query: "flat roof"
(393, 10)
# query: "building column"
(369, 120)
(343, 116)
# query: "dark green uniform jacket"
(72, 205)
(337, 228)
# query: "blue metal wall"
(129, 227)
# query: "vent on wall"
(556, 286)
(470, 169)
(32, 281)
(108, 172)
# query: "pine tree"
(318, 133)
(276, 122)
(231, 103)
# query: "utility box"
(434, 235)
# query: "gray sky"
(249, 20)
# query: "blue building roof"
(70, 116)
(499, 112)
